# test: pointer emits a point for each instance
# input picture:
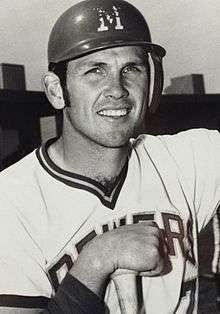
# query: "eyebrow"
(102, 64)
(136, 62)
(90, 64)
(84, 64)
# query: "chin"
(115, 141)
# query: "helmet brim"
(91, 46)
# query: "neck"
(87, 158)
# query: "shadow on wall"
(187, 84)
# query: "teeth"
(113, 113)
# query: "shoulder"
(193, 136)
(21, 170)
(20, 167)
(20, 212)
(193, 151)
(190, 139)
(17, 181)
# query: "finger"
(157, 271)
(150, 273)
(122, 271)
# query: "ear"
(53, 90)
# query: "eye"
(129, 69)
(95, 71)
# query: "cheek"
(84, 93)
(139, 87)
(141, 96)
(143, 87)
(143, 91)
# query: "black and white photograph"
(109, 157)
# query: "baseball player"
(92, 201)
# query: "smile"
(114, 112)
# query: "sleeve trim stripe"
(20, 301)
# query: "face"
(108, 95)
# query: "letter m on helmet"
(109, 18)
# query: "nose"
(115, 88)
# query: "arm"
(120, 248)
(134, 247)
(74, 297)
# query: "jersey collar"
(108, 198)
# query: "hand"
(137, 247)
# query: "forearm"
(82, 289)
(94, 266)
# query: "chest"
(76, 214)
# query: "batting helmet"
(92, 25)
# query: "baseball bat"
(126, 288)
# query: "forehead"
(122, 55)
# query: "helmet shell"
(92, 25)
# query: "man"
(92, 200)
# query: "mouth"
(114, 113)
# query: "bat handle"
(125, 284)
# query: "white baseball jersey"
(48, 214)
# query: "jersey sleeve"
(23, 280)
(207, 184)
(73, 297)
(197, 155)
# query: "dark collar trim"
(108, 198)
